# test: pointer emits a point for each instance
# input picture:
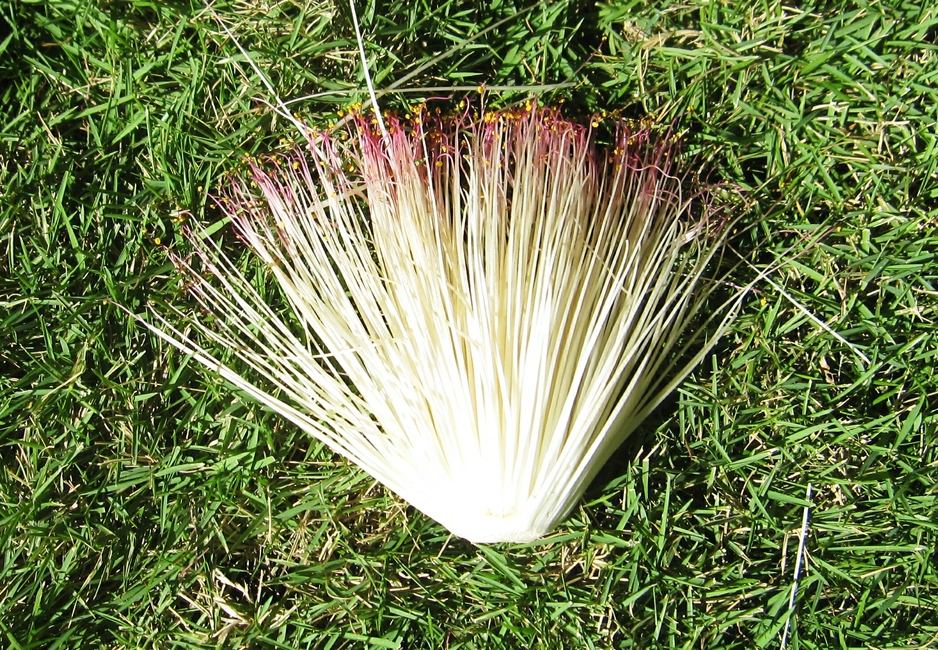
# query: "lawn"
(146, 503)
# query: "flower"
(481, 307)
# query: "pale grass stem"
(799, 561)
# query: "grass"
(144, 504)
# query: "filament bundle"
(481, 308)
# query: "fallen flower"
(481, 308)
